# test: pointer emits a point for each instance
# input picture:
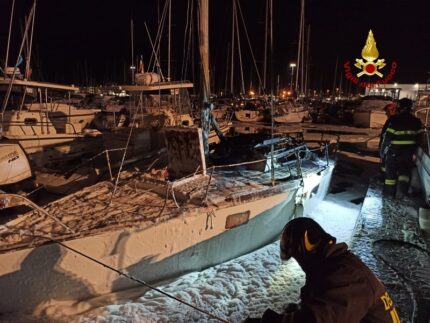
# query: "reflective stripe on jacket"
(403, 133)
(340, 288)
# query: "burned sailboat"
(150, 227)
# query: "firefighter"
(401, 139)
(390, 111)
(339, 286)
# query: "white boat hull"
(423, 168)
(14, 165)
(299, 116)
(369, 119)
(36, 278)
(249, 115)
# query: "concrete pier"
(388, 239)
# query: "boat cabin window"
(30, 121)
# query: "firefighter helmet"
(301, 238)
(404, 104)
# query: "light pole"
(292, 65)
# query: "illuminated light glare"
(395, 84)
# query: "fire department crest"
(370, 64)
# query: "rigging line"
(158, 51)
(190, 44)
(303, 50)
(187, 19)
(265, 45)
(27, 61)
(190, 40)
(121, 273)
(250, 48)
(27, 66)
(12, 79)
(157, 37)
(123, 156)
(240, 51)
(232, 47)
(8, 37)
(152, 46)
(160, 33)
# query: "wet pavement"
(388, 239)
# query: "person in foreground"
(339, 286)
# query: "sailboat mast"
(170, 33)
(204, 57)
(8, 37)
(299, 47)
(12, 79)
(302, 87)
(307, 59)
(242, 87)
(265, 45)
(204, 48)
(335, 77)
(132, 67)
(232, 47)
(272, 123)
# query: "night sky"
(85, 42)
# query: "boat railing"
(424, 115)
(292, 152)
(420, 114)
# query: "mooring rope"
(121, 273)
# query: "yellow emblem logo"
(308, 245)
(369, 65)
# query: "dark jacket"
(384, 128)
(403, 134)
(341, 288)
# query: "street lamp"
(292, 65)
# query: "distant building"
(399, 91)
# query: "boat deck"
(141, 201)
(367, 137)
